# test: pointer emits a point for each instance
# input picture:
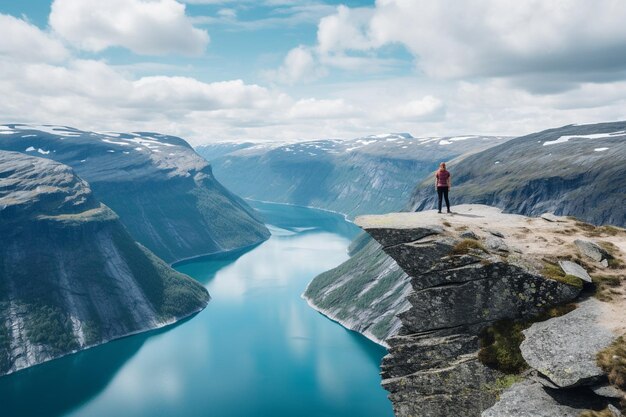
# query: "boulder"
(469, 235)
(564, 349)
(614, 411)
(531, 399)
(552, 218)
(496, 244)
(572, 268)
(609, 391)
(591, 250)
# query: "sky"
(217, 70)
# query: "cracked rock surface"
(564, 349)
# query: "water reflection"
(56, 387)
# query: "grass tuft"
(604, 413)
(595, 231)
(605, 286)
(465, 246)
(612, 360)
(499, 346)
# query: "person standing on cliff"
(442, 185)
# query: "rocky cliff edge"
(484, 283)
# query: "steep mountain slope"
(573, 170)
(164, 193)
(365, 293)
(71, 276)
(374, 174)
(582, 175)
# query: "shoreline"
(345, 216)
(163, 326)
(343, 323)
(346, 325)
(217, 254)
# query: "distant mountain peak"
(391, 135)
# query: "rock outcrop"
(71, 277)
(164, 193)
(463, 285)
(531, 399)
(564, 349)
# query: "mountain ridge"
(372, 174)
(165, 194)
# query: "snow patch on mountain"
(565, 138)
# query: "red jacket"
(442, 178)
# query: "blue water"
(257, 350)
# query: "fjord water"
(257, 350)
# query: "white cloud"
(145, 27)
(427, 107)
(49, 85)
(23, 41)
(542, 46)
(345, 30)
(299, 65)
(492, 38)
(167, 93)
(227, 13)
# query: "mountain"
(365, 293)
(164, 193)
(575, 170)
(373, 174)
(71, 276)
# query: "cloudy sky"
(211, 70)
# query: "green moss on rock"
(555, 272)
(502, 383)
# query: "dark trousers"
(443, 192)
